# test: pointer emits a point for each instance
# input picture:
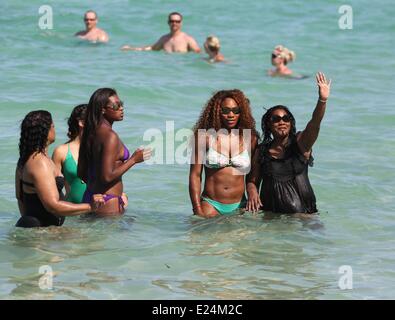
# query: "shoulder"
(79, 33)
(61, 151)
(108, 137)
(164, 37)
(189, 37)
(102, 35)
(39, 163)
(102, 32)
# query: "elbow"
(52, 207)
(106, 179)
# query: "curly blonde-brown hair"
(210, 117)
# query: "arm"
(195, 180)
(192, 45)
(45, 185)
(18, 177)
(158, 45)
(254, 179)
(58, 157)
(195, 176)
(309, 135)
(110, 152)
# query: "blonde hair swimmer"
(212, 47)
(281, 56)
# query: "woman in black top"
(283, 159)
(38, 182)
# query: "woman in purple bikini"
(103, 158)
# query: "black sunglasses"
(174, 21)
(227, 110)
(116, 107)
(274, 56)
(276, 118)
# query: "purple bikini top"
(126, 153)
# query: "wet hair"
(267, 136)
(78, 113)
(91, 11)
(285, 53)
(213, 43)
(34, 134)
(210, 117)
(173, 13)
(93, 117)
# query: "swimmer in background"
(212, 47)
(92, 32)
(281, 56)
(175, 41)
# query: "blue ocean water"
(158, 250)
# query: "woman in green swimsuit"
(65, 156)
(224, 142)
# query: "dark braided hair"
(78, 113)
(94, 116)
(34, 134)
(267, 136)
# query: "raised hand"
(324, 86)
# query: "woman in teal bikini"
(65, 156)
(224, 142)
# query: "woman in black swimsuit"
(283, 159)
(38, 182)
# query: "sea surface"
(158, 250)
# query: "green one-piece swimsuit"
(77, 186)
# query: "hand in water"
(254, 201)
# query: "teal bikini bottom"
(225, 208)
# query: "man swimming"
(174, 41)
(92, 32)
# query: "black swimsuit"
(35, 214)
(286, 187)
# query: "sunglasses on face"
(227, 110)
(115, 106)
(86, 19)
(174, 21)
(276, 119)
(274, 56)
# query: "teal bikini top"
(216, 160)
